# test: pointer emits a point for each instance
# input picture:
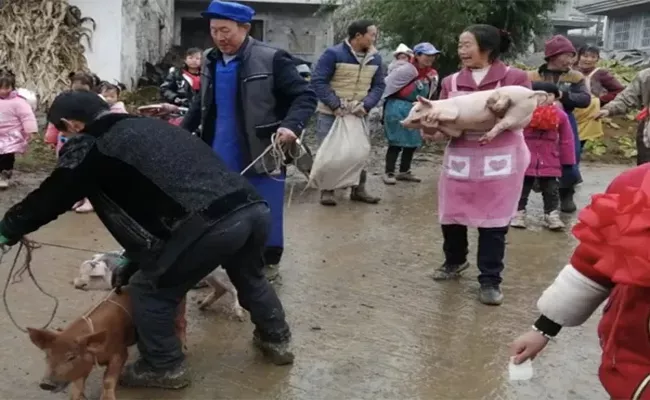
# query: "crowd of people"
(170, 202)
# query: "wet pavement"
(368, 321)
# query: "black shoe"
(277, 353)
(140, 375)
(490, 295)
(567, 205)
(449, 271)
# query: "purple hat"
(557, 45)
(229, 10)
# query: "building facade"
(292, 25)
(628, 22)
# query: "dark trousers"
(273, 255)
(550, 188)
(642, 152)
(405, 163)
(491, 250)
(7, 162)
(571, 174)
(237, 244)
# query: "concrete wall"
(129, 32)
(292, 27)
(147, 33)
(104, 54)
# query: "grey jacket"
(271, 94)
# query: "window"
(621, 28)
(257, 29)
(645, 32)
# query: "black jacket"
(295, 101)
(176, 89)
(145, 179)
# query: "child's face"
(79, 86)
(5, 91)
(110, 96)
(193, 60)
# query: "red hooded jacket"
(614, 251)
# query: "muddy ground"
(368, 321)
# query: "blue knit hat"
(229, 10)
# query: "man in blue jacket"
(349, 72)
(250, 91)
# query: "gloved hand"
(123, 274)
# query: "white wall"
(146, 35)
(104, 55)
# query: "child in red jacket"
(551, 143)
(612, 260)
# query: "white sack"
(342, 155)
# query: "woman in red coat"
(612, 261)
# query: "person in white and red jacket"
(612, 261)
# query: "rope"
(16, 276)
(279, 156)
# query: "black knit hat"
(548, 87)
(77, 105)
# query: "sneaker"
(5, 179)
(272, 271)
(327, 198)
(448, 271)
(140, 375)
(519, 220)
(277, 353)
(389, 178)
(490, 295)
(84, 208)
(553, 221)
(408, 177)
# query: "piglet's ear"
(92, 343)
(41, 338)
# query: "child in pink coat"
(551, 143)
(111, 93)
(17, 125)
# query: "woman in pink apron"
(480, 185)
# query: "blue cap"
(229, 10)
(425, 48)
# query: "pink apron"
(480, 185)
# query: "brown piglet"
(100, 337)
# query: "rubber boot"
(359, 193)
(141, 375)
(277, 353)
(567, 204)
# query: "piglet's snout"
(52, 386)
(48, 384)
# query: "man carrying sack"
(348, 78)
